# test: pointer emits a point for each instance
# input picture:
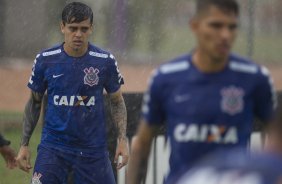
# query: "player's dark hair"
(225, 5)
(76, 12)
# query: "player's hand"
(9, 156)
(123, 151)
(23, 159)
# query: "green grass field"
(178, 40)
(17, 176)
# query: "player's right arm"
(153, 117)
(140, 150)
(7, 153)
(30, 119)
(38, 85)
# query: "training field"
(17, 176)
(14, 93)
(14, 96)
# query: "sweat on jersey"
(74, 119)
(207, 111)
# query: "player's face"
(77, 34)
(216, 31)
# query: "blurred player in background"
(7, 153)
(74, 73)
(239, 167)
(208, 98)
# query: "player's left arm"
(7, 153)
(119, 114)
(265, 99)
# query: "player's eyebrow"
(233, 26)
(216, 24)
(79, 27)
(73, 27)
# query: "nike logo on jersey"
(181, 98)
(74, 100)
(206, 133)
(56, 76)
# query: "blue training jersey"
(74, 119)
(234, 167)
(207, 111)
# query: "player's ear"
(91, 28)
(193, 23)
(62, 25)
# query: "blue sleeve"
(265, 97)
(37, 81)
(152, 109)
(3, 141)
(115, 79)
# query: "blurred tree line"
(123, 19)
(125, 22)
(2, 15)
(136, 27)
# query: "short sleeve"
(115, 79)
(152, 109)
(37, 81)
(3, 141)
(265, 97)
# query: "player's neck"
(75, 53)
(206, 64)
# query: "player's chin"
(221, 54)
(76, 47)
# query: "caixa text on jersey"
(74, 100)
(206, 133)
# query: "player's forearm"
(138, 161)
(264, 133)
(119, 116)
(31, 116)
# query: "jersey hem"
(99, 150)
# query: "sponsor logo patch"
(232, 101)
(74, 100)
(91, 76)
(217, 134)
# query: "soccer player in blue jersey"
(238, 167)
(207, 99)
(74, 73)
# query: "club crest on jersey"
(36, 178)
(91, 76)
(232, 101)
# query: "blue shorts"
(53, 167)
